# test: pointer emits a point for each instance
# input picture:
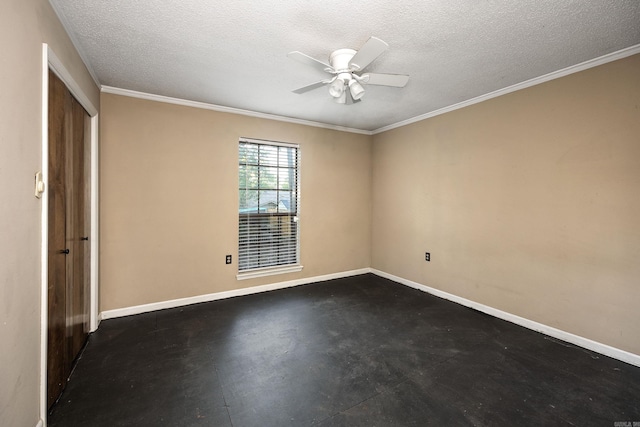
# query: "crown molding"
(220, 108)
(614, 56)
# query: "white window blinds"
(268, 205)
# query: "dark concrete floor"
(361, 351)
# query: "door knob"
(84, 238)
(64, 251)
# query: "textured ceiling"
(233, 53)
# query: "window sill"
(262, 272)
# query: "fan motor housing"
(340, 58)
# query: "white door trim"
(51, 61)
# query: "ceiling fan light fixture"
(336, 88)
(342, 99)
(356, 89)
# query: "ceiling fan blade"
(312, 86)
(306, 59)
(367, 53)
(395, 80)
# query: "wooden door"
(57, 273)
(78, 231)
(68, 246)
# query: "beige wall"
(529, 203)
(169, 200)
(24, 26)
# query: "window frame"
(276, 269)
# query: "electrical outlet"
(228, 259)
(427, 256)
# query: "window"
(268, 207)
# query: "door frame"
(50, 61)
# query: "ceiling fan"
(346, 66)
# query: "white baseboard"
(607, 350)
(145, 308)
(604, 349)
